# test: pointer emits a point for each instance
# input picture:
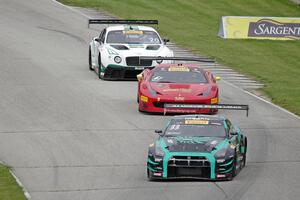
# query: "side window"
(102, 36)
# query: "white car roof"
(122, 27)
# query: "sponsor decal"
(179, 98)
(214, 142)
(179, 69)
(182, 90)
(170, 141)
(177, 110)
(196, 122)
(273, 28)
(190, 140)
(127, 32)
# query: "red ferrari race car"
(177, 88)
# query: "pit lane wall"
(272, 28)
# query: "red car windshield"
(164, 76)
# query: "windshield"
(133, 37)
(196, 128)
(168, 76)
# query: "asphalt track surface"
(70, 136)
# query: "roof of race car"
(126, 27)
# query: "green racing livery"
(197, 147)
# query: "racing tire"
(244, 160)
(90, 59)
(245, 152)
(149, 175)
(99, 67)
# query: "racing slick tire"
(90, 59)
(245, 152)
(99, 67)
(149, 175)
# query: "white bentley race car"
(115, 53)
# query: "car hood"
(185, 90)
(192, 144)
(140, 49)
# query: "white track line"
(228, 83)
(72, 9)
(268, 102)
(26, 193)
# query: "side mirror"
(166, 40)
(139, 77)
(159, 132)
(233, 133)
(218, 78)
(98, 40)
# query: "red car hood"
(186, 90)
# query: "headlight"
(159, 151)
(117, 59)
(214, 100)
(220, 154)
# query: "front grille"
(189, 172)
(134, 61)
(132, 73)
(158, 104)
(189, 167)
(188, 161)
(123, 73)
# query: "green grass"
(194, 25)
(9, 189)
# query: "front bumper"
(156, 105)
(119, 72)
(192, 165)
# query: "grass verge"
(9, 189)
(194, 25)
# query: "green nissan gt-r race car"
(197, 147)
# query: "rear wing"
(121, 21)
(213, 106)
(198, 59)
